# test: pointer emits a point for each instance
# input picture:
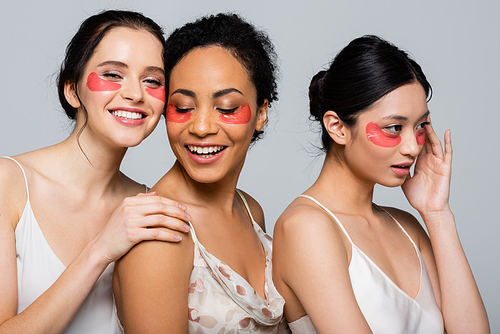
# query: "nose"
(204, 122)
(410, 146)
(132, 91)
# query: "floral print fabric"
(221, 301)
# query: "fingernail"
(177, 237)
(182, 207)
(188, 217)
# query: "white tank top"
(386, 307)
(38, 268)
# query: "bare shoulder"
(150, 285)
(256, 210)
(301, 215)
(155, 257)
(411, 225)
(13, 192)
(305, 226)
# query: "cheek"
(177, 117)
(379, 137)
(420, 138)
(157, 93)
(96, 84)
(241, 116)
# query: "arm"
(310, 269)
(151, 285)
(53, 310)
(428, 192)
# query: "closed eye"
(183, 110)
(228, 111)
(153, 82)
(112, 76)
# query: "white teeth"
(127, 114)
(205, 151)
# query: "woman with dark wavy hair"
(220, 79)
(365, 268)
(66, 211)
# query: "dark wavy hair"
(368, 68)
(252, 47)
(82, 46)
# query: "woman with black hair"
(66, 211)
(220, 79)
(365, 268)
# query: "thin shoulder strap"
(400, 226)
(25, 178)
(331, 214)
(246, 204)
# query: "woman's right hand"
(142, 217)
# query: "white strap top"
(386, 307)
(221, 301)
(38, 268)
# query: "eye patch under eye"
(240, 116)
(96, 84)
(157, 93)
(377, 136)
(420, 138)
(177, 117)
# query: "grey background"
(456, 42)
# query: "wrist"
(95, 256)
(436, 221)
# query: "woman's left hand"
(429, 188)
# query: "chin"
(392, 183)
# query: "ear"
(70, 94)
(262, 115)
(338, 131)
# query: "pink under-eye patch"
(96, 84)
(420, 138)
(240, 116)
(380, 138)
(175, 116)
(157, 93)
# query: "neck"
(88, 164)
(179, 185)
(342, 188)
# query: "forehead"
(409, 101)
(129, 46)
(210, 68)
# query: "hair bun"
(315, 95)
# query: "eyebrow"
(225, 92)
(404, 118)
(122, 64)
(186, 92)
(155, 69)
(215, 95)
(113, 62)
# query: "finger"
(159, 220)
(435, 143)
(157, 233)
(152, 193)
(448, 150)
(152, 198)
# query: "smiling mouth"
(128, 114)
(205, 151)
